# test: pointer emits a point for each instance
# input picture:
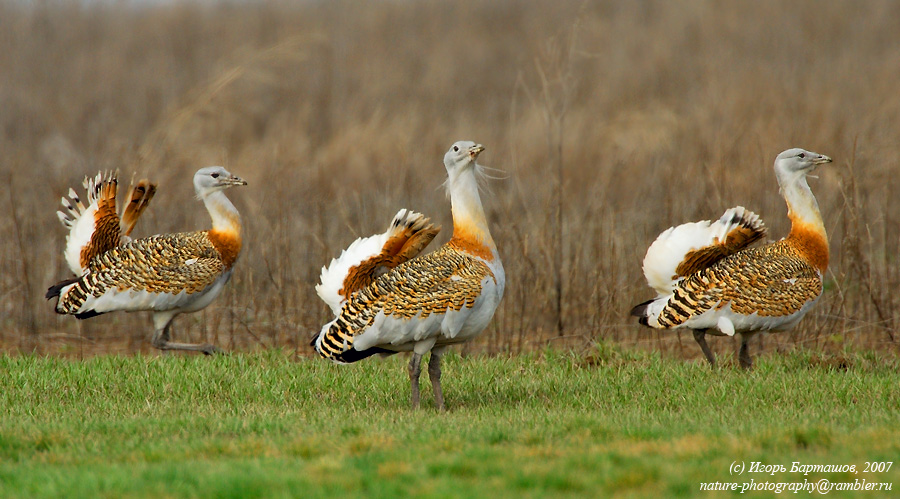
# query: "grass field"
(269, 425)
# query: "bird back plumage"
(417, 291)
(153, 273)
(765, 285)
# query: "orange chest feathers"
(228, 244)
(473, 243)
(811, 243)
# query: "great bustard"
(166, 274)
(428, 303)
(709, 281)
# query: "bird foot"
(208, 349)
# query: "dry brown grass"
(649, 113)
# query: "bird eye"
(215, 175)
(801, 155)
(455, 149)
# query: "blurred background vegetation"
(611, 120)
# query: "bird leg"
(161, 341)
(700, 336)
(206, 348)
(434, 373)
(415, 364)
(744, 357)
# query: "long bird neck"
(470, 227)
(225, 234)
(807, 228)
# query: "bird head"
(461, 156)
(214, 178)
(793, 164)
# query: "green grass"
(254, 425)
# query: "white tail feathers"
(685, 249)
(73, 205)
(80, 218)
(368, 257)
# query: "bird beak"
(822, 159)
(232, 180)
(475, 150)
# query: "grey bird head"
(461, 155)
(795, 163)
(214, 178)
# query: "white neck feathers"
(803, 209)
(225, 217)
(470, 227)
(807, 229)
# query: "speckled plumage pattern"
(447, 279)
(770, 281)
(157, 264)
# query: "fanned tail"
(409, 234)
(94, 224)
(74, 207)
(643, 311)
(138, 199)
(367, 258)
(688, 248)
(107, 233)
(93, 228)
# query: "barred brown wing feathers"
(107, 232)
(138, 200)
(106, 235)
(736, 240)
(692, 297)
(402, 247)
(771, 281)
(414, 240)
